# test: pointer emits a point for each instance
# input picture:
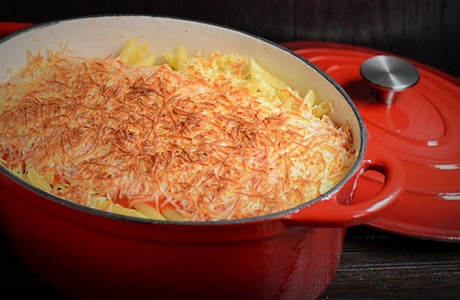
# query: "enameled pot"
(88, 253)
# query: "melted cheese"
(197, 144)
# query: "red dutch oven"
(87, 253)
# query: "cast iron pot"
(87, 253)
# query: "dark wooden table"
(374, 265)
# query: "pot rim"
(363, 135)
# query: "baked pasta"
(198, 137)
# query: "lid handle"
(389, 75)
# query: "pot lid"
(420, 125)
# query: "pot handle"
(329, 213)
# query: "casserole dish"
(88, 253)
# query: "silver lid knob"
(389, 75)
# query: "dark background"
(424, 30)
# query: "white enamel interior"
(100, 36)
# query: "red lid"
(421, 128)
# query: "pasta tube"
(258, 73)
(176, 60)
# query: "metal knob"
(389, 75)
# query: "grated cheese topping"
(199, 142)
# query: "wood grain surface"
(379, 265)
(424, 30)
